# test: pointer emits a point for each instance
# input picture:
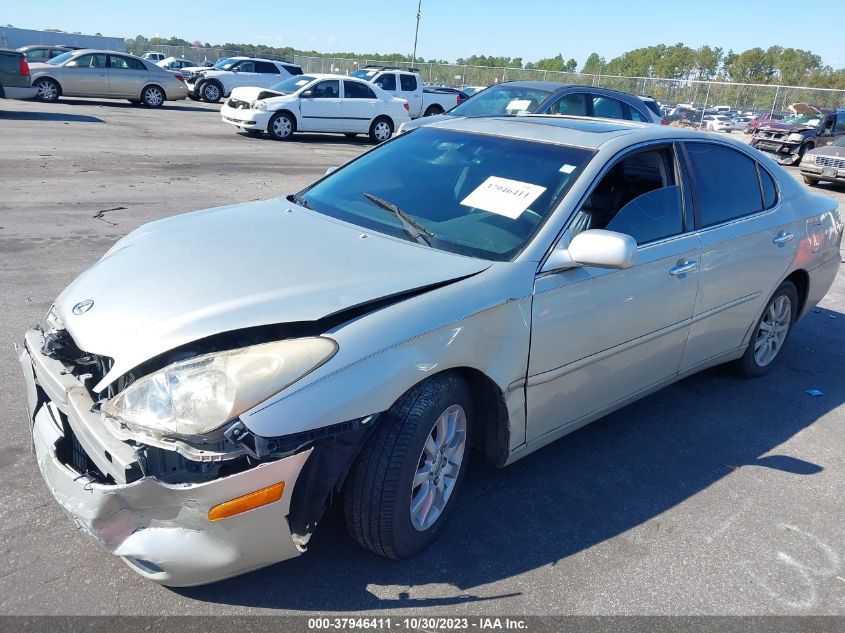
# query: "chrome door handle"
(687, 266)
(782, 238)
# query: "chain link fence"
(700, 94)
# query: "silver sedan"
(200, 395)
(97, 73)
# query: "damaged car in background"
(203, 392)
(808, 128)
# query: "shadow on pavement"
(48, 116)
(590, 486)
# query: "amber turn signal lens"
(247, 502)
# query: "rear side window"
(607, 108)
(770, 192)
(38, 53)
(408, 82)
(125, 63)
(636, 116)
(357, 90)
(572, 104)
(726, 183)
(386, 82)
(266, 67)
(293, 70)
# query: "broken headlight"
(795, 137)
(195, 396)
(258, 105)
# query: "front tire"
(402, 487)
(281, 126)
(48, 90)
(771, 332)
(381, 130)
(211, 92)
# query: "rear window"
(502, 100)
(726, 183)
(267, 68)
(386, 82)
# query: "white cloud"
(331, 39)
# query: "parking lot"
(715, 496)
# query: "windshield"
(803, 119)
(501, 100)
(60, 59)
(292, 84)
(225, 63)
(477, 195)
(362, 73)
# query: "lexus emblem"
(83, 306)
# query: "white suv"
(214, 83)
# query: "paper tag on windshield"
(520, 105)
(567, 169)
(302, 82)
(503, 196)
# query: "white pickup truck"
(407, 84)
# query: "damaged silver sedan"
(475, 287)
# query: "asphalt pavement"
(716, 496)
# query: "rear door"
(360, 106)
(126, 76)
(323, 110)
(268, 74)
(747, 245)
(86, 76)
(411, 91)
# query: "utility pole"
(417, 32)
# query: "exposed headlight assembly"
(258, 105)
(795, 137)
(196, 396)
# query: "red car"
(761, 120)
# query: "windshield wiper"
(300, 201)
(413, 228)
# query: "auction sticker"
(503, 196)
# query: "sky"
(450, 29)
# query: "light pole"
(417, 32)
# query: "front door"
(86, 76)
(322, 111)
(600, 336)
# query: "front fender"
(476, 323)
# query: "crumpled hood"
(251, 93)
(195, 275)
(776, 126)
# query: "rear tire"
(48, 90)
(433, 110)
(152, 96)
(381, 130)
(402, 487)
(771, 332)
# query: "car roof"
(585, 132)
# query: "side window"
(639, 196)
(607, 108)
(725, 181)
(329, 89)
(357, 90)
(573, 104)
(636, 116)
(125, 63)
(97, 60)
(408, 83)
(293, 70)
(770, 192)
(267, 68)
(386, 81)
(246, 67)
(37, 54)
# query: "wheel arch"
(51, 78)
(491, 432)
(152, 84)
(291, 114)
(801, 279)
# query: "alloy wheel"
(382, 131)
(773, 330)
(153, 97)
(438, 467)
(47, 90)
(282, 127)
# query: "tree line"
(775, 65)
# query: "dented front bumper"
(161, 530)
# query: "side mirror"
(307, 94)
(597, 248)
(236, 70)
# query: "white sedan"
(717, 123)
(316, 103)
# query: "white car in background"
(212, 84)
(152, 56)
(717, 123)
(175, 64)
(316, 103)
